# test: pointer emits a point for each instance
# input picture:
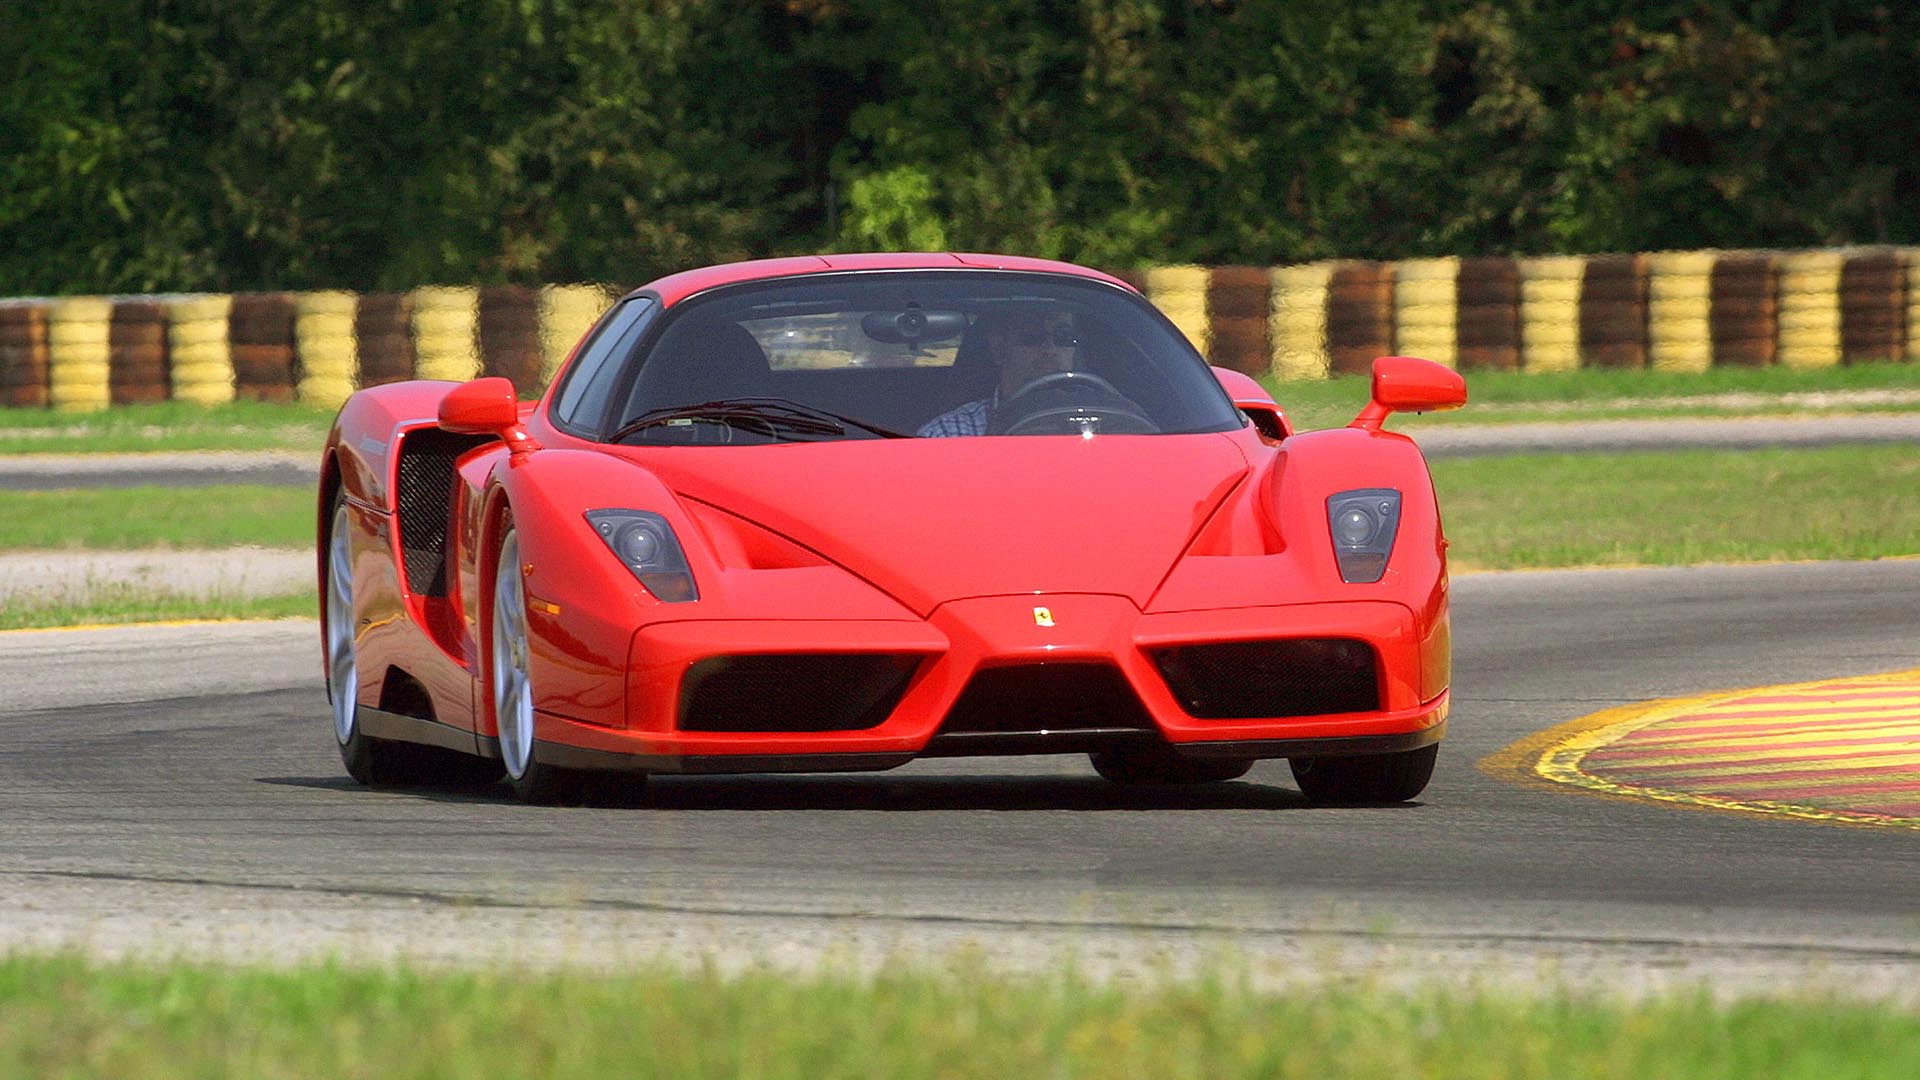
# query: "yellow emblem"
(1042, 616)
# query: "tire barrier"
(567, 312)
(383, 333)
(509, 336)
(23, 355)
(446, 335)
(201, 350)
(1810, 309)
(79, 351)
(1613, 312)
(1298, 320)
(1237, 304)
(1913, 304)
(1359, 317)
(1426, 309)
(1550, 312)
(1873, 307)
(262, 329)
(329, 361)
(1180, 292)
(137, 353)
(1670, 311)
(1744, 316)
(1679, 311)
(1489, 303)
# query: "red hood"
(932, 520)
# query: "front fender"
(1311, 467)
(1272, 546)
(583, 605)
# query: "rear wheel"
(368, 760)
(1163, 766)
(1367, 778)
(510, 686)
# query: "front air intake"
(793, 692)
(1046, 697)
(1292, 677)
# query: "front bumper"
(964, 638)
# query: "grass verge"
(68, 1017)
(147, 517)
(1610, 394)
(172, 425)
(1680, 508)
(114, 604)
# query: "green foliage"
(195, 144)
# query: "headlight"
(645, 543)
(1363, 523)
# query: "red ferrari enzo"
(840, 513)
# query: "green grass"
(1597, 394)
(173, 425)
(64, 1017)
(1682, 507)
(149, 517)
(119, 602)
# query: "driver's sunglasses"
(1033, 339)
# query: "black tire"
(1366, 778)
(373, 762)
(509, 686)
(1161, 766)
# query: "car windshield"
(912, 354)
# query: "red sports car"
(840, 513)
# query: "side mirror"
(1410, 384)
(485, 407)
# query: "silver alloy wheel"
(343, 670)
(512, 687)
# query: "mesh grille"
(793, 692)
(1046, 697)
(1297, 677)
(425, 495)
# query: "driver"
(1024, 346)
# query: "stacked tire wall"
(1666, 311)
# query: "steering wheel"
(1070, 403)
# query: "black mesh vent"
(1046, 697)
(425, 496)
(1298, 677)
(818, 692)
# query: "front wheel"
(1365, 778)
(510, 685)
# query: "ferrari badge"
(1042, 616)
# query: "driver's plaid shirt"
(968, 419)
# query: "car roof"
(676, 287)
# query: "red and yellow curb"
(1837, 750)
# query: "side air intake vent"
(425, 493)
(805, 692)
(1295, 677)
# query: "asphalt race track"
(176, 789)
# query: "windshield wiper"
(771, 415)
(799, 409)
